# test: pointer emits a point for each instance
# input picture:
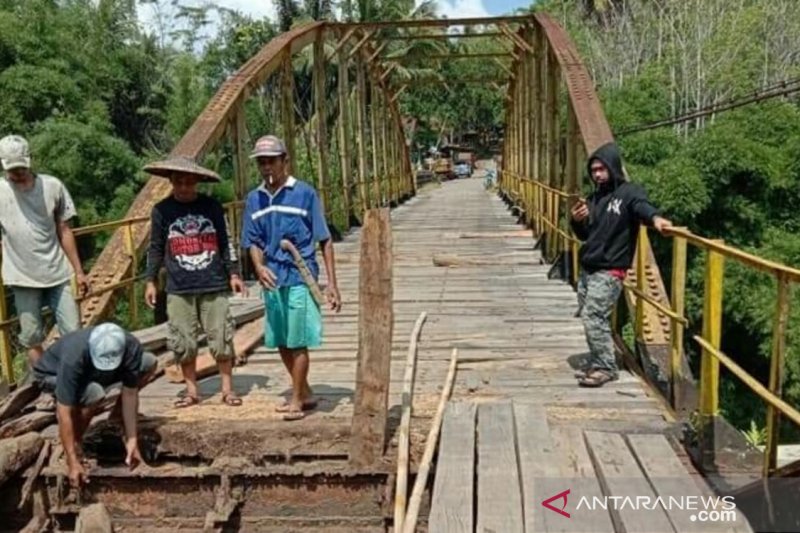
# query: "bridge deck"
(515, 330)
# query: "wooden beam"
(375, 327)
(322, 123)
(345, 142)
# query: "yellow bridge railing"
(547, 210)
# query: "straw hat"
(186, 165)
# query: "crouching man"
(79, 368)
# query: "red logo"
(559, 496)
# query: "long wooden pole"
(344, 131)
(410, 522)
(401, 486)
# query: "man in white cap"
(38, 245)
(79, 368)
(283, 207)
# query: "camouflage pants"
(597, 294)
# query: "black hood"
(609, 155)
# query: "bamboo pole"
(401, 486)
(410, 521)
(776, 370)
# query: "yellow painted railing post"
(5, 342)
(709, 365)
(676, 326)
(776, 372)
(575, 264)
(133, 308)
(641, 264)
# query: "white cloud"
(461, 8)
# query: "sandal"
(293, 415)
(596, 378)
(286, 407)
(231, 399)
(186, 401)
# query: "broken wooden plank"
(32, 474)
(499, 498)
(375, 326)
(17, 400)
(30, 422)
(620, 476)
(453, 490)
(17, 453)
(244, 340)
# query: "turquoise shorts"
(293, 318)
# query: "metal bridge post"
(322, 125)
(709, 364)
(776, 372)
(5, 342)
(553, 163)
(361, 128)
(345, 142)
(287, 107)
(373, 133)
(133, 308)
(678, 290)
(642, 245)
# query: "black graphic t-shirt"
(190, 239)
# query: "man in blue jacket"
(608, 222)
(283, 207)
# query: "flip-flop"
(596, 378)
(231, 400)
(286, 406)
(292, 415)
(186, 401)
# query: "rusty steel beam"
(441, 23)
(442, 36)
(448, 56)
(114, 263)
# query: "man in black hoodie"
(608, 223)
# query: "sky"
(449, 8)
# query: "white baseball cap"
(14, 152)
(268, 146)
(107, 346)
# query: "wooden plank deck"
(515, 329)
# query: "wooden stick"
(305, 273)
(14, 403)
(405, 422)
(410, 523)
(32, 474)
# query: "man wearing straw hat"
(189, 237)
(283, 207)
(39, 251)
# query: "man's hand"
(150, 294)
(237, 285)
(77, 472)
(333, 297)
(661, 224)
(83, 283)
(580, 211)
(266, 277)
(134, 456)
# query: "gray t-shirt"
(32, 252)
